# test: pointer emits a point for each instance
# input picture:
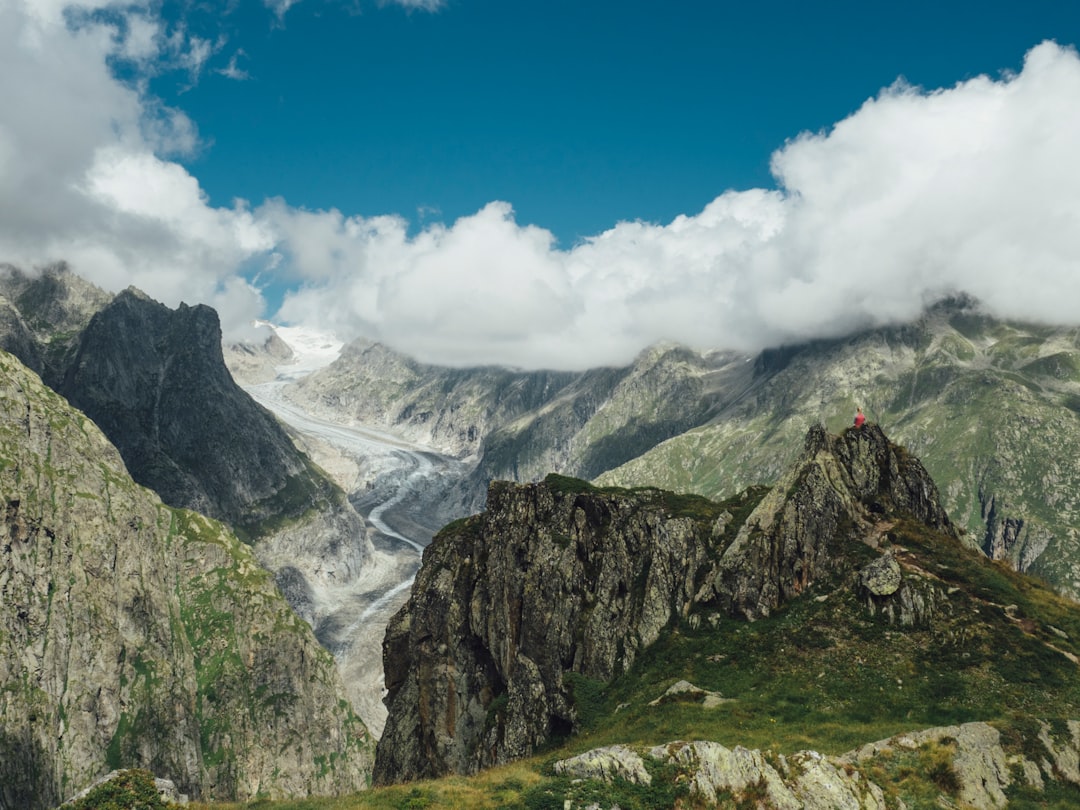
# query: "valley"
(391, 482)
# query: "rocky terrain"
(138, 634)
(559, 583)
(990, 407)
(155, 381)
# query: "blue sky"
(548, 184)
(580, 114)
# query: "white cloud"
(233, 69)
(81, 177)
(973, 188)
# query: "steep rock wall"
(135, 635)
(559, 577)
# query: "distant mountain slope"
(841, 601)
(521, 425)
(43, 315)
(135, 635)
(992, 408)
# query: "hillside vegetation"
(991, 408)
(885, 629)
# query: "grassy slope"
(820, 674)
(991, 409)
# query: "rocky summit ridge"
(559, 580)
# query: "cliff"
(560, 579)
(137, 635)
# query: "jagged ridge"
(560, 577)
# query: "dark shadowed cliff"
(155, 381)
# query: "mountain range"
(991, 406)
(155, 515)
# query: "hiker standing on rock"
(859, 418)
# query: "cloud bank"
(918, 194)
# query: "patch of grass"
(129, 790)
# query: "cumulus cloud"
(918, 194)
(82, 177)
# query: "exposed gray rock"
(606, 764)
(1064, 753)
(715, 769)
(833, 494)
(820, 784)
(135, 634)
(804, 781)
(882, 576)
(166, 789)
(686, 691)
(808, 780)
(547, 581)
(979, 762)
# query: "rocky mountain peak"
(561, 578)
(843, 488)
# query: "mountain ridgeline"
(991, 407)
(521, 425)
(558, 577)
(556, 611)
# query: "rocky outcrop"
(136, 635)
(839, 490)
(550, 580)
(164, 789)
(970, 767)
(560, 577)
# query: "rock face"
(979, 769)
(559, 577)
(136, 635)
(839, 489)
(155, 381)
(544, 583)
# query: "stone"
(882, 577)
(714, 769)
(606, 764)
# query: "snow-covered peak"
(311, 349)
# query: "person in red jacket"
(859, 418)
